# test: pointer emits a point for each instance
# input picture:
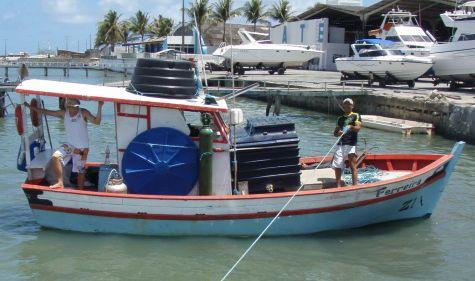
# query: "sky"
(28, 24)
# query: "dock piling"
(6, 71)
(2, 104)
(45, 71)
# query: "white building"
(345, 2)
(315, 33)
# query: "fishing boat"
(212, 176)
(454, 60)
(371, 61)
(263, 54)
(407, 127)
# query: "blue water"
(439, 248)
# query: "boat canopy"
(374, 41)
(113, 94)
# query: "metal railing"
(289, 87)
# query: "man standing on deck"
(77, 146)
(348, 125)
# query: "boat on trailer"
(179, 181)
(388, 66)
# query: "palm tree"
(222, 12)
(108, 31)
(124, 31)
(139, 23)
(254, 11)
(199, 9)
(281, 11)
(161, 26)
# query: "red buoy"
(35, 116)
(19, 120)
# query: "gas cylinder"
(206, 156)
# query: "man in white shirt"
(77, 145)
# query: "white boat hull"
(455, 61)
(398, 69)
(252, 55)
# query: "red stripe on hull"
(199, 217)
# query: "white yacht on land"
(372, 62)
(402, 31)
(454, 61)
(263, 54)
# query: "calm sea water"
(439, 248)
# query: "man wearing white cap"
(348, 126)
(77, 145)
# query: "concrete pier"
(451, 112)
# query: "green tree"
(139, 23)
(222, 12)
(201, 10)
(161, 26)
(281, 11)
(108, 31)
(124, 31)
(254, 11)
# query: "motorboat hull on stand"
(264, 55)
(385, 66)
(454, 61)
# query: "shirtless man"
(77, 145)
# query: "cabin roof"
(112, 94)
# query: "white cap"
(348, 100)
(71, 102)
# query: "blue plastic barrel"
(161, 161)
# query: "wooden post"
(61, 103)
(125, 72)
(105, 72)
(64, 72)
(2, 103)
(6, 71)
(46, 71)
(87, 72)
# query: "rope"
(368, 174)
(275, 217)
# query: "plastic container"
(268, 155)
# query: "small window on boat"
(466, 37)
(418, 38)
(375, 53)
(393, 38)
(395, 52)
(407, 38)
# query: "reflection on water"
(439, 248)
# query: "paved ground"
(424, 88)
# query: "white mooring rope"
(275, 218)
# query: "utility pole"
(182, 26)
